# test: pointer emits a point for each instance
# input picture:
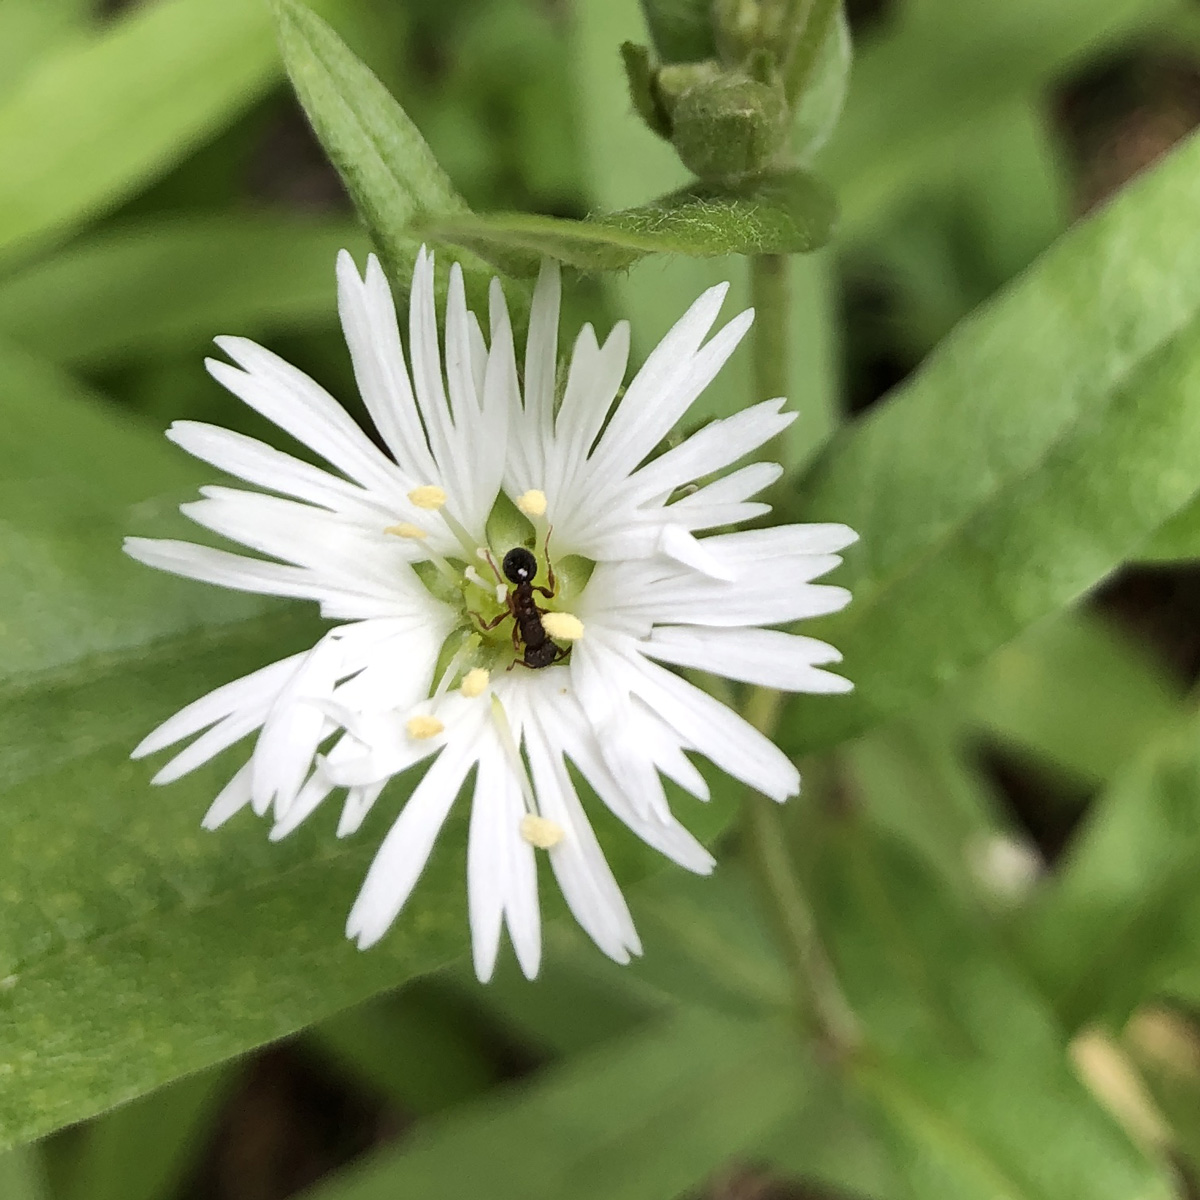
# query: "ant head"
(519, 565)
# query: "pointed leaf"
(789, 213)
(385, 163)
(1033, 454)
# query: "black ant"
(520, 569)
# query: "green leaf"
(579, 999)
(29, 28)
(1123, 914)
(706, 943)
(651, 1116)
(1085, 376)
(173, 949)
(819, 108)
(21, 1175)
(93, 122)
(1005, 1129)
(915, 779)
(964, 1062)
(388, 169)
(1017, 189)
(923, 89)
(417, 1047)
(1177, 540)
(789, 213)
(173, 283)
(144, 1150)
(1075, 694)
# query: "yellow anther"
(541, 832)
(562, 626)
(420, 728)
(474, 683)
(532, 503)
(406, 529)
(428, 496)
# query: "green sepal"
(643, 91)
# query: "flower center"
(511, 596)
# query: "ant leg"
(516, 636)
(485, 625)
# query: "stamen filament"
(406, 529)
(454, 666)
(504, 730)
(465, 540)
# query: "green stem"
(771, 295)
(823, 1007)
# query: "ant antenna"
(486, 555)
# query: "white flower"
(407, 549)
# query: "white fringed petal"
(367, 703)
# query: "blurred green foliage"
(159, 186)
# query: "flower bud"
(728, 125)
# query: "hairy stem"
(823, 1007)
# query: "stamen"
(562, 626)
(465, 651)
(406, 529)
(505, 733)
(465, 540)
(474, 683)
(428, 496)
(421, 728)
(532, 503)
(541, 832)
(473, 576)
